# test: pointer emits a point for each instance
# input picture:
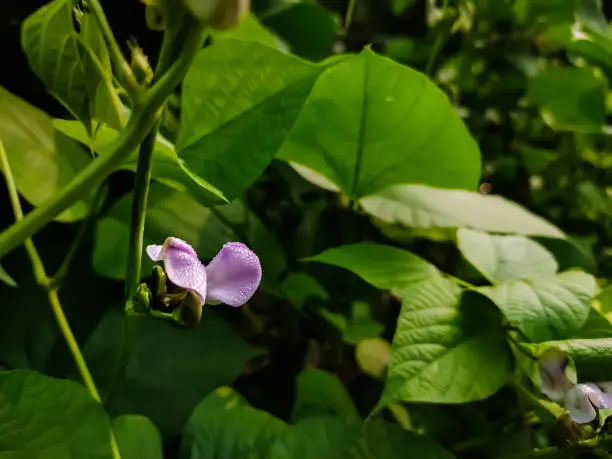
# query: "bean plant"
(267, 239)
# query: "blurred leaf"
(45, 417)
(424, 207)
(169, 213)
(546, 308)
(320, 393)
(547, 11)
(596, 326)
(605, 299)
(43, 160)
(250, 29)
(340, 133)
(51, 44)
(373, 356)
(584, 100)
(384, 267)
(170, 369)
(400, 6)
(6, 278)
(468, 339)
(504, 258)
(361, 325)
(224, 426)
(537, 159)
(168, 168)
(239, 101)
(309, 29)
(137, 438)
(298, 287)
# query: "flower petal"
(554, 382)
(233, 275)
(582, 402)
(182, 265)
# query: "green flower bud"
(140, 64)
(219, 14)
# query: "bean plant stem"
(139, 125)
(126, 76)
(348, 17)
(41, 277)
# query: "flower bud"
(219, 14)
(140, 64)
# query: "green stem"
(42, 278)
(140, 124)
(348, 17)
(126, 76)
(83, 231)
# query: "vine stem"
(139, 125)
(126, 76)
(42, 278)
(348, 17)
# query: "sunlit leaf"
(43, 161)
(250, 29)
(504, 258)
(425, 207)
(370, 123)
(383, 266)
(45, 417)
(137, 437)
(239, 101)
(546, 308)
(447, 348)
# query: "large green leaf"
(47, 418)
(425, 207)
(320, 393)
(383, 266)
(584, 100)
(43, 160)
(137, 437)
(51, 44)
(168, 168)
(370, 123)
(546, 308)
(447, 348)
(503, 258)
(239, 101)
(170, 369)
(170, 213)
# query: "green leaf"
(596, 326)
(137, 437)
(425, 207)
(584, 101)
(169, 213)
(232, 124)
(605, 299)
(400, 6)
(250, 29)
(50, 418)
(168, 168)
(320, 393)
(51, 45)
(224, 426)
(6, 278)
(592, 357)
(546, 308)
(170, 369)
(370, 123)
(448, 347)
(309, 29)
(361, 325)
(382, 266)
(43, 160)
(299, 287)
(504, 258)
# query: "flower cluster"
(232, 277)
(582, 401)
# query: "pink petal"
(182, 265)
(233, 275)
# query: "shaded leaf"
(447, 348)
(425, 207)
(137, 437)
(341, 134)
(43, 160)
(50, 418)
(546, 308)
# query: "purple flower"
(231, 277)
(583, 401)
